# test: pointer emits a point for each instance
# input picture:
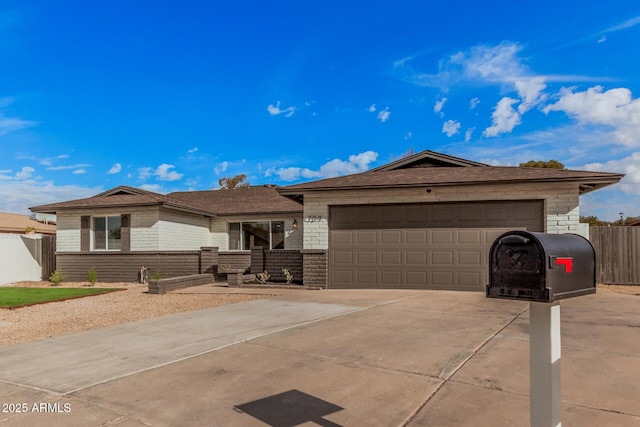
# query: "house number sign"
(313, 219)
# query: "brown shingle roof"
(242, 201)
(448, 176)
(251, 200)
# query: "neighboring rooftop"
(21, 224)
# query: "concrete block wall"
(315, 264)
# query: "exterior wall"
(68, 233)
(151, 229)
(145, 234)
(292, 237)
(178, 231)
(20, 257)
(273, 261)
(561, 204)
(125, 266)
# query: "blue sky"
(172, 96)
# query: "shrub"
(263, 277)
(92, 276)
(56, 278)
(156, 275)
(287, 275)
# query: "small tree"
(238, 181)
(92, 276)
(549, 164)
(56, 278)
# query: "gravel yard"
(75, 315)
(132, 303)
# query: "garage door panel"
(469, 237)
(366, 237)
(426, 246)
(416, 279)
(391, 258)
(415, 237)
(441, 278)
(415, 258)
(342, 277)
(367, 257)
(339, 257)
(440, 258)
(442, 237)
(391, 237)
(339, 238)
(367, 278)
(471, 279)
(470, 258)
(390, 278)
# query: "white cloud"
(115, 169)
(372, 108)
(79, 171)
(161, 173)
(18, 196)
(450, 127)
(221, 168)
(25, 173)
(468, 134)
(437, 108)
(9, 124)
(614, 108)
(602, 39)
(504, 116)
(356, 163)
(67, 167)
(530, 92)
(193, 150)
(474, 103)
(626, 24)
(408, 136)
(630, 166)
(275, 110)
(383, 115)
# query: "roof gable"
(427, 159)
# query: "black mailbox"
(541, 267)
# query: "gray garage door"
(421, 246)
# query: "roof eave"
(586, 184)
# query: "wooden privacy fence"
(48, 256)
(617, 254)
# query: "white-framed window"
(107, 233)
(247, 234)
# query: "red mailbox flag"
(567, 262)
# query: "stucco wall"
(561, 204)
(20, 257)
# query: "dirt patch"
(76, 315)
(620, 289)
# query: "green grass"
(11, 297)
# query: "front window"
(106, 233)
(245, 235)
